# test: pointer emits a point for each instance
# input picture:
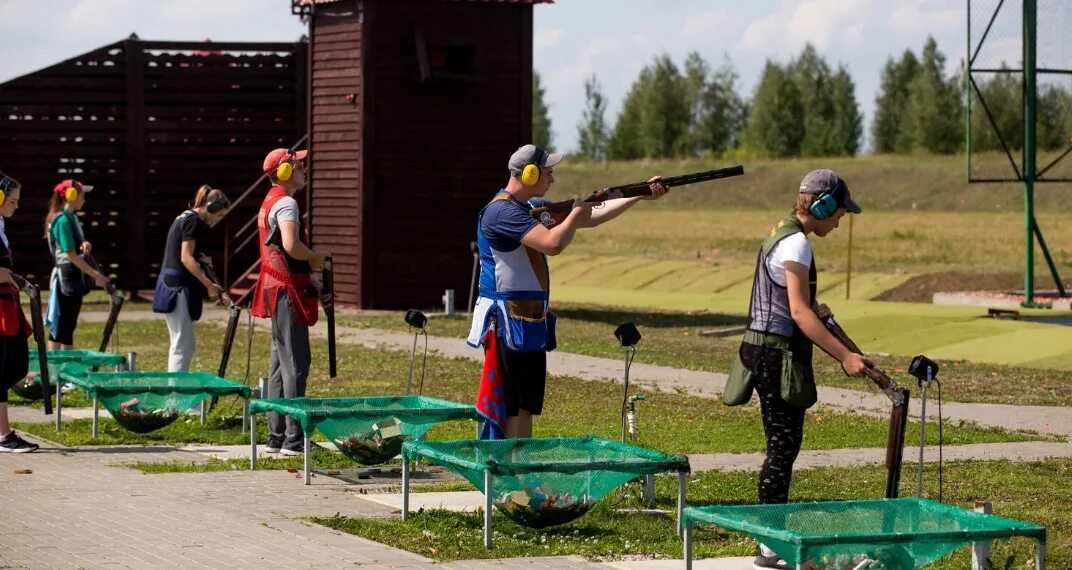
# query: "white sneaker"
(291, 452)
(271, 449)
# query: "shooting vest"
(514, 292)
(171, 281)
(281, 272)
(772, 334)
(71, 280)
(12, 320)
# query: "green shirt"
(63, 236)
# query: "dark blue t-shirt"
(505, 222)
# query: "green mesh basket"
(546, 482)
(890, 533)
(145, 401)
(368, 430)
(70, 362)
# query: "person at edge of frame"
(286, 292)
(182, 282)
(775, 356)
(14, 348)
(514, 283)
(67, 244)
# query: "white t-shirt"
(284, 210)
(793, 248)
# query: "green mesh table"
(891, 533)
(543, 482)
(71, 362)
(146, 401)
(368, 430)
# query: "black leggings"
(70, 307)
(14, 362)
(783, 425)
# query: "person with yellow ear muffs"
(286, 292)
(14, 349)
(182, 281)
(67, 244)
(511, 319)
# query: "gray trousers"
(288, 370)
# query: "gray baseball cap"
(824, 180)
(531, 154)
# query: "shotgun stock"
(115, 304)
(553, 214)
(328, 299)
(898, 397)
(38, 325)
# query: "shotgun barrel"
(38, 325)
(115, 305)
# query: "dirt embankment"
(921, 289)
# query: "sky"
(573, 39)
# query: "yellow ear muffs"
(3, 196)
(5, 185)
(530, 175)
(284, 171)
(72, 194)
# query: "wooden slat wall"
(336, 131)
(440, 147)
(146, 123)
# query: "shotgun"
(233, 314)
(554, 213)
(327, 297)
(897, 395)
(38, 325)
(115, 304)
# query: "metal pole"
(96, 415)
(487, 508)
(1030, 90)
(245, 414)
(412, 357)
(922, 432)
(848, 261)
(1040, 555)
(405, 489)
(682, 478)
(308, 461)
(132, 362)
(688, 547)
(203, 413)
(967, 91)
(58, 385)
(981, 550)
(252, 441)
(625, 389)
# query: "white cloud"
(704, 25)
(826, 24)
(928, 17)
(547, 38)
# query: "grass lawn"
(605, 533)
(672, 339)
(670, 422)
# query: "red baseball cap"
(62, 187)
(279, 156)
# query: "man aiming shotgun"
(775, 357)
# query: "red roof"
(319, 2)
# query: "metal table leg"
(245, 414)
(96, 415)
(487, 508)
(1040, 555)
(58, 383)
(682, 479)
(308, 461)
(405, 489)
(203, 413)
(252, 441)
(688, 547)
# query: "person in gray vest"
(775, 358)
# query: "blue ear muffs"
(824, 206)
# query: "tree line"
(805, 107)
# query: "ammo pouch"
(72, 281)
(787, 359)
(531, 326)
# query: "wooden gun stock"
(553, 214)
(115, 305)
(38, 325)
(328, 275)
(897, 395)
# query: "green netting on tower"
(546, 482)
(145, 401)
(368, 430)
(71, 362)
(891, 533)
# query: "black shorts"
(524, 380)
(70, 307)
(14, 362)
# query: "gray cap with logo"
(531, 154)
(823, 180)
